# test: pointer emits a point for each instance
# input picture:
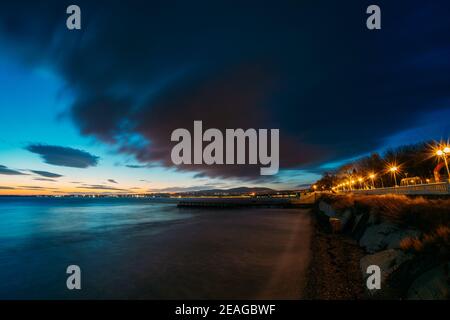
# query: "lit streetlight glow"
(443, 153)
(372, 177)
(393, 169)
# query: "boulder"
(336, 225)
(359, 225)
(390, 262)
(432, 285)
(341, 222)
(346, 219)
(375, 237)
(326, 209)
(373, 217)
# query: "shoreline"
(333, 272)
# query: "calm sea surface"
(139, 248)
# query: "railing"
(441, 188)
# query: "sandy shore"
(333, 272)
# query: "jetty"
(237, 202)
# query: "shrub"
(435, 242)
(424, 214)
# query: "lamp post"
(372, 177)
(394, 170)
(443, 153)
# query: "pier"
(236, 202)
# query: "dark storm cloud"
(47, 174)
(64, 156)
(310, 68)
(6, 171)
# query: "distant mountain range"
(239, 190)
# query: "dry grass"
(424, 214)
(437, 241)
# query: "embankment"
(409, 239)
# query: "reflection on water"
(138, 248)
(39, 236)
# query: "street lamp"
(372, 177)
(443, 153)
(394, 170)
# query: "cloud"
(45, 179)
(6, 171)
(47, 174)
(64, 156)
(181, 189)
(101, 187)
(36, 187)
(135, 166)
(143, 166)
(333, 92)
(112, 181)
(7, 188)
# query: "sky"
(92, 110)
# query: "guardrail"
(441, 188)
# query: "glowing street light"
(443, 153)
(360, 180)
(372, 177)
(393, 170)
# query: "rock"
(373, 218)
(326, 209)
(393, 239)
(375, 237)
(359, 225)
(336, 225)
(341, 222)
(346, 219)
(432, 285)
(390, 262)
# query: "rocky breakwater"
(408, 239)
